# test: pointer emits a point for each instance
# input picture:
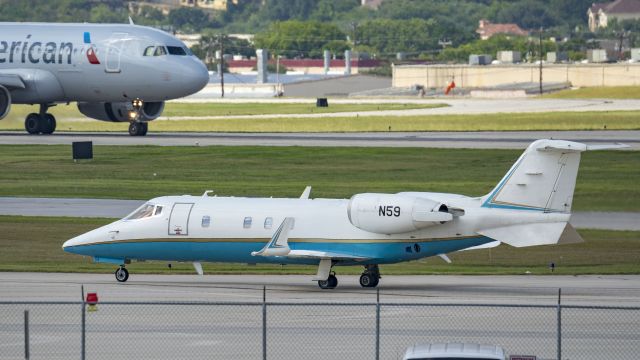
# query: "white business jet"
(530, 206)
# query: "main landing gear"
(370, 277)
(122, 274)
(40, 123)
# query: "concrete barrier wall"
(439, 76)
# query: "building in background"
(487, 29)
(601, 13)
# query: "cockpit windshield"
(154, 51)
(145, 211)
(176, 50)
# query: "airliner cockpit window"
(176, 50)
(144, 211)
(158, 210)
(160, 50)
(148, 51)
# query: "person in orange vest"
(450, 87)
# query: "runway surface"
(113, 208)
(614, 290)
(302, 321)
(479, 140)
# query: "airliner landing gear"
(370, 277)
(137, 128)
(122, 274)
(40, 123)
(330, 283)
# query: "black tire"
(333, 281)
(49, 124)
(366, 280)
(134, 128)
(323, 284)
(143, 129)
(33, 123)
(122, 274)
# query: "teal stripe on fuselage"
(240, 252)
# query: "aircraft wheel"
(122, 274)
(49, 124)
(138, 128)
(32, 123)
(367, 280)
(330, 283)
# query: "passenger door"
(114, 52)
(179, 219)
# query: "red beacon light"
(92, 298)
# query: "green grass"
(34, 244)
(70, 120)
(608, 180)
(616, 92)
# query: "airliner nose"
(195, 76)
(69, 245)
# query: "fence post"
(378, 324)
(26, 334)
(83, 327)
(559, 344)
(264, 323)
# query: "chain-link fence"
(159, 330)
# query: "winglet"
(131, 21)
(306, 193)
(279, 245)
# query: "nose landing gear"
(122, 274)
(137, 127)
(330, 283)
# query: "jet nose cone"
(70, 244)
(196, 76)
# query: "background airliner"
(530, 206)
(115, 72)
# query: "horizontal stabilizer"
(523, 235)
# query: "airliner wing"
(11, 81)
(313, 254)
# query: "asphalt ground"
(303, 321)
(112, 208)
(479, 140)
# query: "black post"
(264, 323)
(221, 40)
(377, 323)
(26, 334)
(559, 345)
(541, 61)
(83, 327)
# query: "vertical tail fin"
(543, 178)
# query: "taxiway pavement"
(114, 208)
(478, 140)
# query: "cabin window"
(206, 221)
(176, 50)
(268, 223)
(247, 222)
(158, 210)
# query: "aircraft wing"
(313, 254)
(11, 81)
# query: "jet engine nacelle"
(395, 214)
(5, 102)
(120, 111)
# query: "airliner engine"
(5, 102)
(120, 111)
(395, 214)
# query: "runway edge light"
(92, 301)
